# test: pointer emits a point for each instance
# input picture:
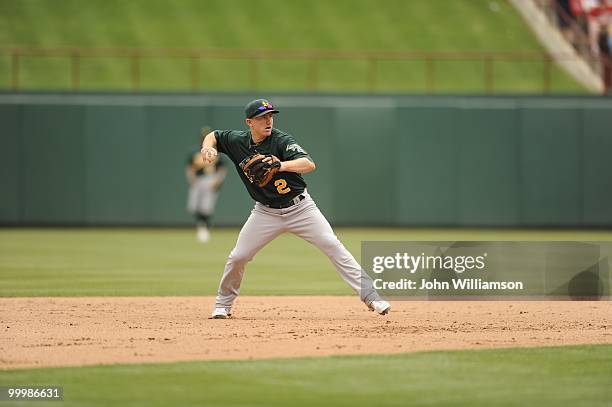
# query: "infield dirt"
(43, 332)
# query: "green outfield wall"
(102, 159)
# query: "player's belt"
(289, 204)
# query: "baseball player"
(204, 181)
(270, 163)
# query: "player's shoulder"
(281, 136)
(287, 144)
(231, 135)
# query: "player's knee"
(239, 257)
(329, 244)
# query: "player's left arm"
(302, 165)
(294, 158)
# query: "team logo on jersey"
(296, 148)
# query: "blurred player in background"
(205, 180)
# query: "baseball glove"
(258, 171)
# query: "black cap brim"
(273, 111)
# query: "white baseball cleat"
(221, 313)
(203, 234)
(382, 307)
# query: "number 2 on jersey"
(281, 186)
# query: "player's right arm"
(209, 148)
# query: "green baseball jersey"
(238, 144)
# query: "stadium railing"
(313, 58)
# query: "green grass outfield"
(560, 376)
(127, 262)
(394, 25)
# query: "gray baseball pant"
(304, 220)
(202, 196)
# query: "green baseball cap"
(259, 107)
